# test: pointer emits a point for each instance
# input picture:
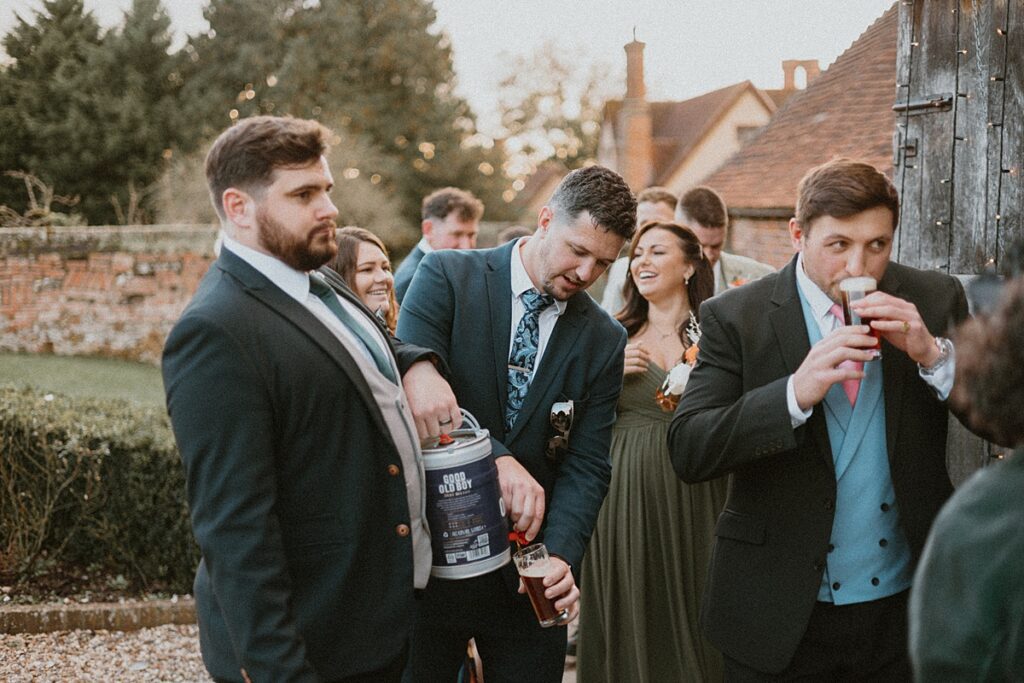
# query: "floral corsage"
(671, 390)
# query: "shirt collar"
(818, 300)
(424, 245)
(295, 283)
(520, 279)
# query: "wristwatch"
(945, 353)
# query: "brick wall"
(109, 291)
(766, 240)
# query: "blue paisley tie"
(524, 352)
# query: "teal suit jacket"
(460, 305)
(305, 573)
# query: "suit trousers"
(512, 645)
(865, 641)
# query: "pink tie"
(850, 386)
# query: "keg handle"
(468, 417)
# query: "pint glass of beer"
(854, 289)
(533, 564)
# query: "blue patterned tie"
(327, 295)
(524, 352)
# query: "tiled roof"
(677, 127)
(845, 111)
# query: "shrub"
(90, 482)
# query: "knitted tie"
(327, 295)
(524, 352)
(850, 386)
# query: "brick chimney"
(789, 67)
(636, 151)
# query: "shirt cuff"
(796, 416)
(941, 381)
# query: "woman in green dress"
(645, 568)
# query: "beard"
(301, 253)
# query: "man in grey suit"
(450, 220)
(302, 465)
(521, 334)
(837, 460)
(702, 210)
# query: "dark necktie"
(524, 352)
(327, 295)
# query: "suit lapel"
(274, 298)
(896, 368)
(499, 317)
(790, 329)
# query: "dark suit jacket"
(460, 305)
(305, 574)
(772, 537)
(403, 276)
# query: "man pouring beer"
(837, 456)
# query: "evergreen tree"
(48, 114)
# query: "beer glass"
(854, 289)
(533, 564)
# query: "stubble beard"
(301, 254)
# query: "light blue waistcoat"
(869, 556)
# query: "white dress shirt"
(521, 282)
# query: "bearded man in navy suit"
(472, 307)
(302, 465)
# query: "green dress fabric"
(646, 566)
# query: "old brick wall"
(110, 291)
(764, 239)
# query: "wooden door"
(958, 149)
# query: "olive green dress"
(646, 566)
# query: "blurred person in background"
(646, 565)
(967, 604)
(363, 264)
(450, 220)
(703, 210)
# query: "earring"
(686, 281)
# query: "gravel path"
(164, 653)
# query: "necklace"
(663, 334)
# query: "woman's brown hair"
(633, 315)
(345, 263)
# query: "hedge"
(90, 482)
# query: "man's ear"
(239, 207)
(796, 234)
(427, 226)
(544, 219)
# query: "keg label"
(464, 513)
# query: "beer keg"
(468, 529)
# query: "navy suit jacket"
(460, 305)
(772, 537)
(306, 571)
(403, 276)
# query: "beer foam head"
(858, 284)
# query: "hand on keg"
(431, 400)
(523, 496)
(560, 586)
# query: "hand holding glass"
(854, 289)
(533, 564)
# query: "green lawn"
(74, 376)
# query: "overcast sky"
(693, 46)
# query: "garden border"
(129, 615)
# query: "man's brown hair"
(657, 195)
(246, 155)
(705, 206)
(439, 203)
(843, 188)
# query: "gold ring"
(906, 327)
(445, 422)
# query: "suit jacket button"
(829, 504)
(402, 530)
(393, 470)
